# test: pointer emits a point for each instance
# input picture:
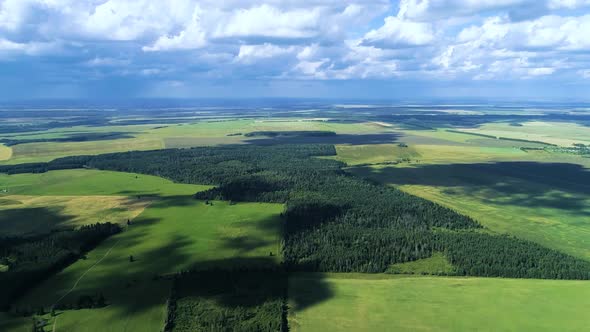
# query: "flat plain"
(360, 302)
(173, 234)
(510, 186)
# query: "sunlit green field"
(560, 133)
(172, 235)
(46, 151)
(357, 302)
(82, 182)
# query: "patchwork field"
(357, 302)
(453, 158)
(202, 133)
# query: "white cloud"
(31, 48)
(249, 54)
(315, 39)
(556, 32)
(191, 37)
(106, 62)
(542, 71)
(569, 4)
(268, 21)
(398, 33)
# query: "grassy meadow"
(559, 133)
(357, 302)
(83, 182)
(436, 264)
(173, 234)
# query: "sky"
(407, 49)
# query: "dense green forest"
(332, 220)
(202, 301)
(32, 259)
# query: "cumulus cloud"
(297, 39)
(398, 33)
(252, 53)
(268, 21)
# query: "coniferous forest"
(334, 222)
(33, 259)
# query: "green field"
(38, 203)
(559, 133)
(436, 264)
(83, 182)
(356, 302)
(46, 151)
(172, 235)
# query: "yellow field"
(5, 152)
(46, 151)
(43, 213)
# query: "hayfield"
(26, 215)
(357, 302)
(5, 152)
(46, 151)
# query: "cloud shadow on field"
(137, 287)
(33, 220)
(529, 184)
